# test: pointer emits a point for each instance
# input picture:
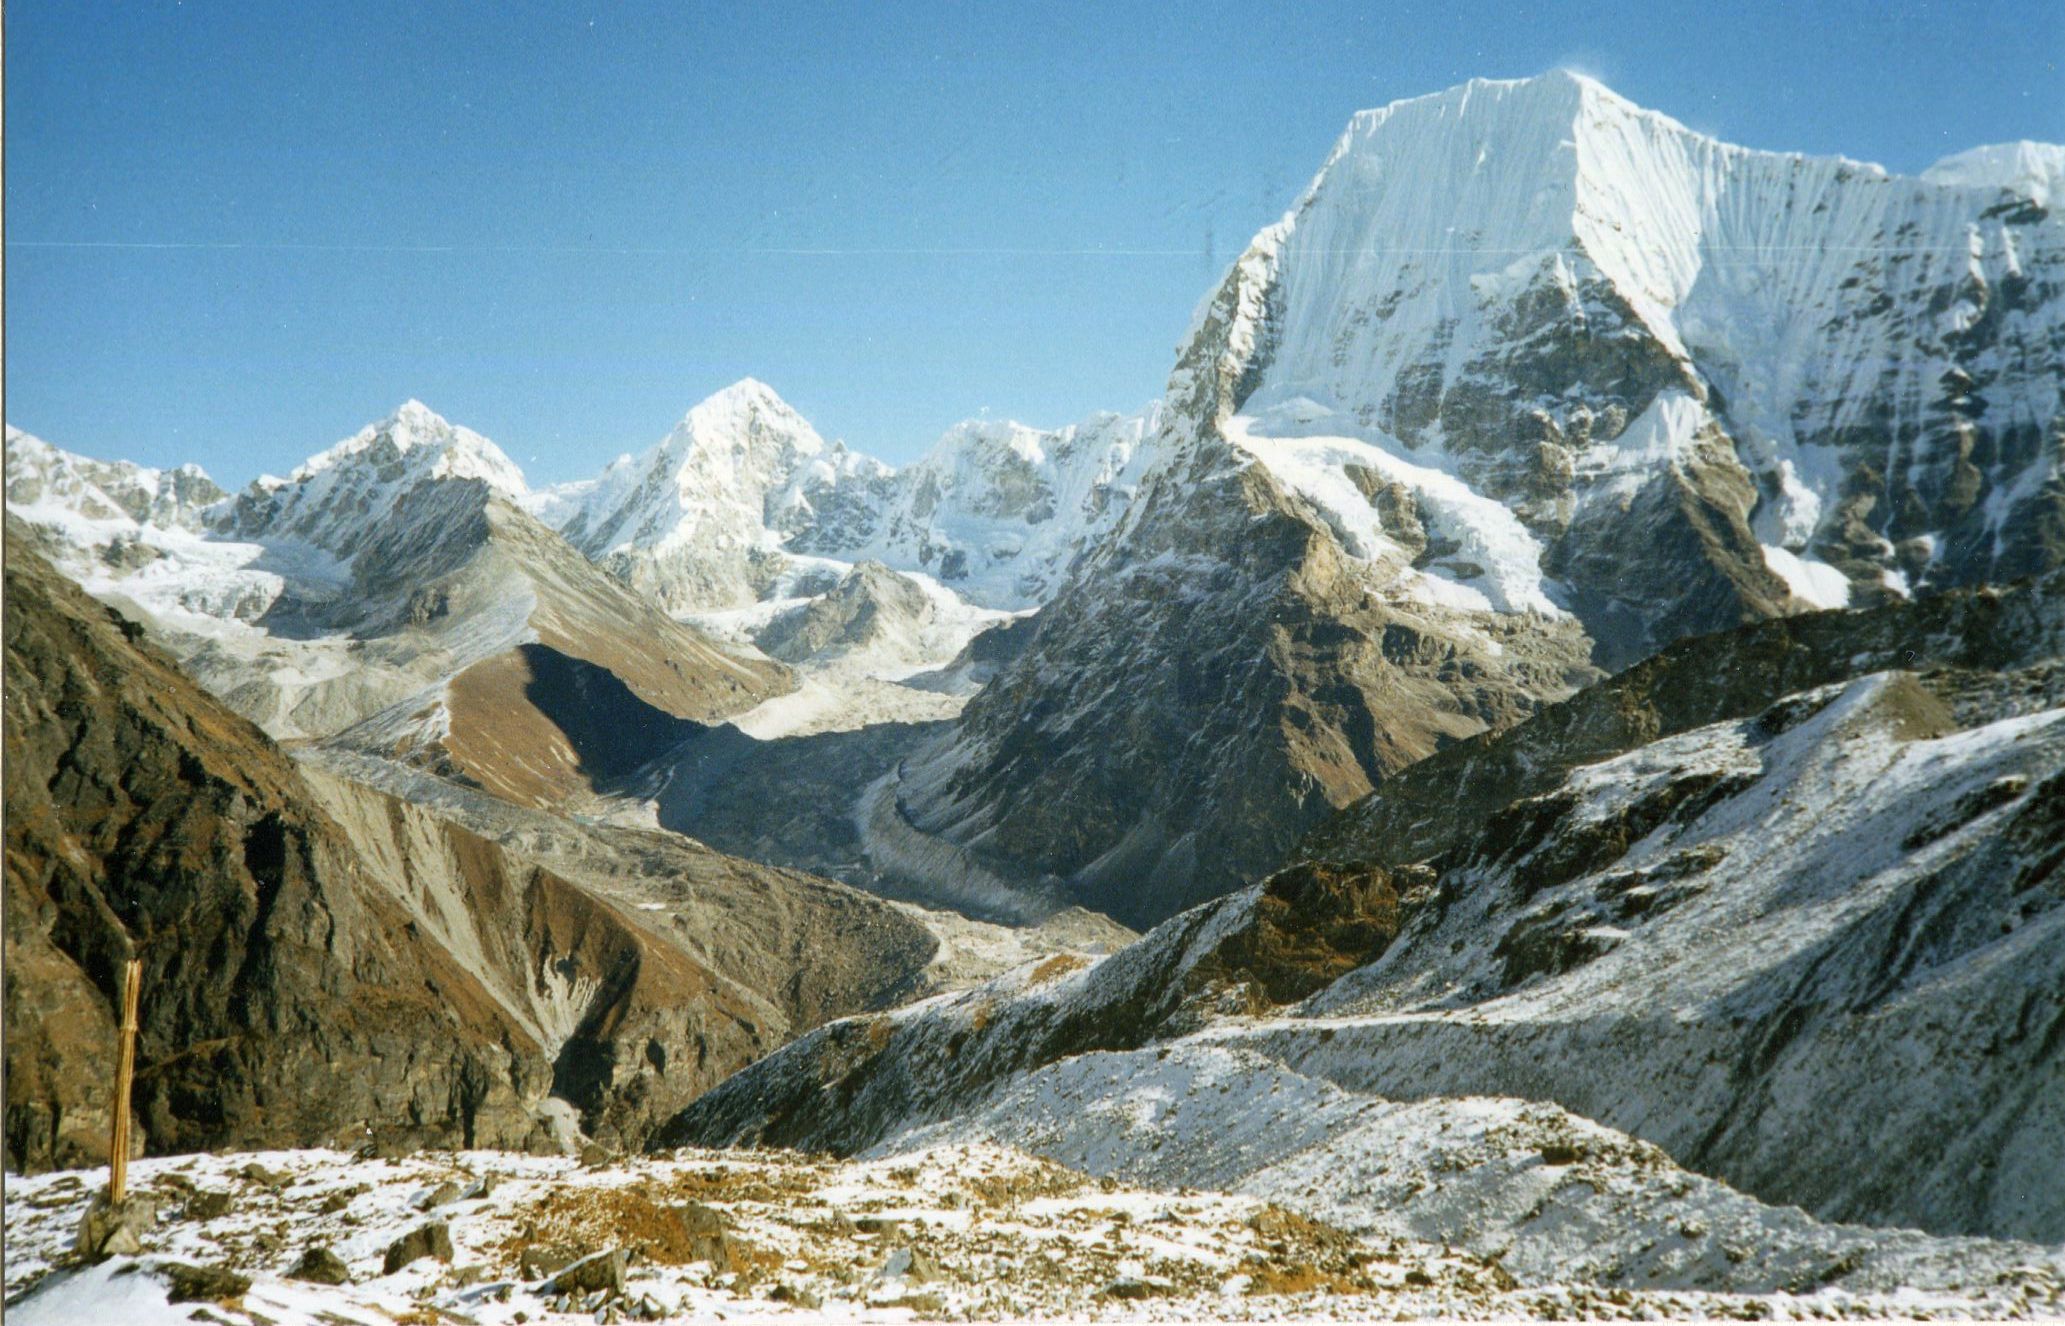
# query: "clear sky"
(238, 232)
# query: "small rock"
(463, 1276)
(1418, 1278)
(204, 1284)
(207, 1205)
(796, 1295)
(336, 1202)
(265, 1178)
(1132, 1290)
(1561, 1153)
(111, 1230)
(602, 1273)
(431, 1240)
(912, 1264)
(438, 1196)
(484, 1188)
(878, 1225)
(704, 1233)
(594, 1155)
(541, 1259)
(320, 1266)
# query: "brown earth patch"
(1054, 968)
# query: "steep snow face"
(719, 512)
(1504, 278)
(342, 498)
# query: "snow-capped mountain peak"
(1508, 280)
(428, 444)
(343, 496)
(738, 405)
(739, 472)
(1530, 381)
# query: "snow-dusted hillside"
(978, 1233)
(1807, 953)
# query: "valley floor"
(964, 1232)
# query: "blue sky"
(238, 232)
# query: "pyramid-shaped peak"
(415, 413)
(745, 395)
(746, 408)
(415, 430)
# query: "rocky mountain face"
(871, 609)
(43, 479)
(324, 963)
(557, 676)
(1531, 382)
(1711, 923)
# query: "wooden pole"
(125, 1073)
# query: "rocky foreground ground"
(974, 1232)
